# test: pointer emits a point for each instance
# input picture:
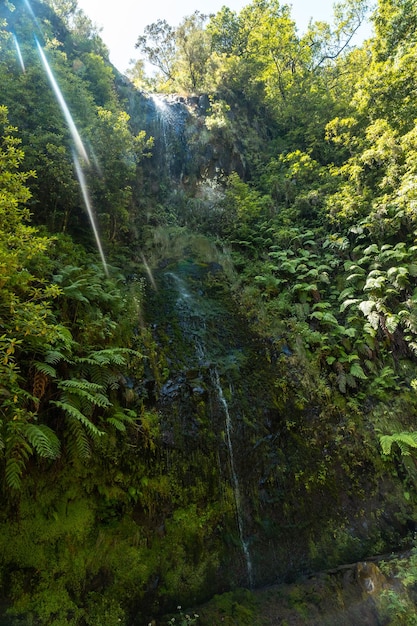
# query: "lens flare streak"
(89, 208)
(61, 101)
(29, 8)
(19, 53)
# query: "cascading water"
(169, 121)
(194, 323)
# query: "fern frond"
(13, 472)
(45, 368)
(114, 356)
(76, 414)
(116, 423)
(122, 419)
(78, 444)
(107, 378)
(404, 440)
(43, 440)
(85, 390)
(79, 384)
(55, 356)
(85, 399)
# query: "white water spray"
(87, 202)
(19, 53)
(61, 101)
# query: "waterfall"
(169, 121)
(189, 312)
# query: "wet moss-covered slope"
(228, 403)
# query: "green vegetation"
(261, 238)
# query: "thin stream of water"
(185, 301)
(235, 479)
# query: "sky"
(123, 21)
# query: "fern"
(75, 385)
(45, 368)
(17, 455)
(122, 418)
(14, 471)
(89, 393)
(55, 356)
(75, 413)
(43, 440)
(78, 442)
(404, 440)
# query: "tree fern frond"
(78, 444)
(110, 357)
(14, 471)
(76, 414)
(114, 356)
(101, 400)
(79, 384)
(45, 368)
(55, 356)
(404, 440)
(82, 398)
(121, 419)
(85, 360)
(116, 423)
(43, 440)
(105, 377)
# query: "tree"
(193, 45)
(159, 47)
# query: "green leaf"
(357, 371)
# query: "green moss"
(235, 608)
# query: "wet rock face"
(370, 578)
(185, 151)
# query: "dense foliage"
(287, 216)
